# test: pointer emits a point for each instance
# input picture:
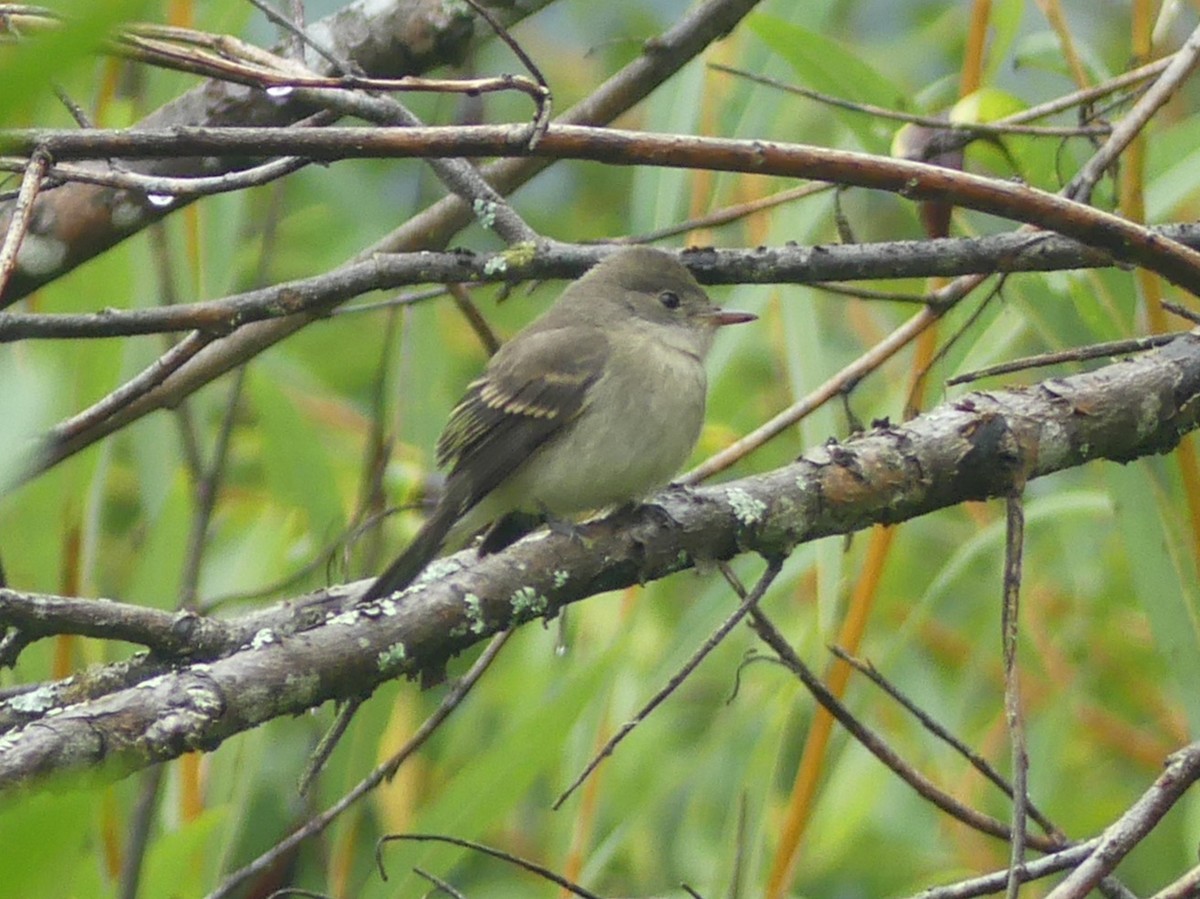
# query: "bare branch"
(1001, 253)
(1125, 240)
(1182, 65)
(35, 171)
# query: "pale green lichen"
(436, 570)
(516, 256)
(203, 699)
(350, 616)
(746, 508)
(521, 253)
(34, 702)
(485, 212)
(392, 657)
(560, 578)
(1148, 414)
(457, 9)
(475, 613)
(302, 686)
(527, 602)
(388, 606)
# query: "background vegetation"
(700, 792)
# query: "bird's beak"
(720, 317)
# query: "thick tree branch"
(971, 448)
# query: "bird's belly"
(639, 441)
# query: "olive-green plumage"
(596, 403)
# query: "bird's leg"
(507, 530)
(564, 527)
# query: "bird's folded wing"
(523, 400)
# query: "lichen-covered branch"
(970, 448)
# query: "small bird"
(596, 403)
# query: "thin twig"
(205, 491)
(976, 761)
(1009, 628)
(1182, 311)
(226, 58)
(1076, 354)
(911, 403)
(1183, 63)
(1186, 887)
(304, 38)
(1088, 95)
(1181, 771)
(1030, 871)
(328, 742)
(728, 215)
(131, 389)
(442, 885)
(531, 866)
(877, 746)
(452, 700)
(968, 130)
(863, 293)
(35, 171)
(76, 111)
(479, 324)
(541, 119)
(138, 832)
(749, 601)
(168, 186)
(408, 298)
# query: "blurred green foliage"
(1109, 630)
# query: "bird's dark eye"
(669, 298)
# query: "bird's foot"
(564, 527)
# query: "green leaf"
(52, 53)
(1163, 573)
(1173, 170)
(296, 466)
(1004, 28)
(833, 68)
(50, 844)
(525, 744)
(177, 860)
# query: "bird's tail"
(424, 547)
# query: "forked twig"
(452, 700)
(531, 866)
(749, 601)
